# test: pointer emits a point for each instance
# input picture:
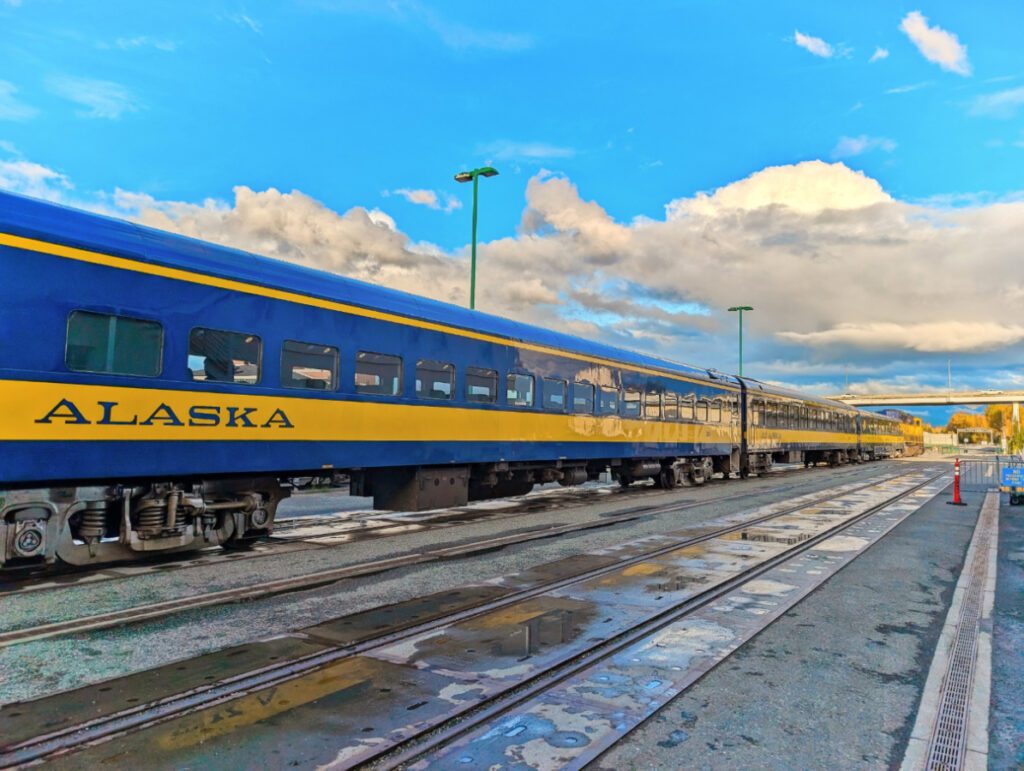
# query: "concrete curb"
(976, 746)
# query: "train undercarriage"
(97, 524)
(91, 525)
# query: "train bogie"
(92, 525)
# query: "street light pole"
(740, 309)
(474, 177)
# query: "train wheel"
(624, 481)
(666, 479)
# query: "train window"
(716, 412)
(308, 365)
(631, 404)
(607, 401)
(702, 411)
(652, 405)
(481, 385)
(686, 411)
(583, 398)
(520, 390)
(553, 394)
(671, 406)
(99, 342)
(434, 379)
(215, 356)
(378, 373)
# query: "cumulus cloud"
(837, 269)
(815, 45)
(936, 44)
(848, 147)
(36, 180)
(429, 198)
(879, 54)
(12, 108)
(1002, 104)
(102, 98)
(807, 188)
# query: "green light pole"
(473, 176)
(741, 308)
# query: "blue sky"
(637, 105)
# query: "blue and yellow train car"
(880, 436)
(784, 425)
(157, 389)
(158, 393)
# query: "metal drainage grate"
(948, 743)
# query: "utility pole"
(741, 308)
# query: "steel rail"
(19, 580)
(99, 730)
(173, 606)
(499, 704)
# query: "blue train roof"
(47, 221)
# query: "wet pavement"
(355, 706)
(836, 681)
(31, 669)
(1006, 726)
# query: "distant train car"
(159, 392)
(913, 437)
(880, 436)
(787, 426)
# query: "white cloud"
(815, 45)
(879, 54)
(907, 89)
(930, 337)
(848, 147)
(27, 178)
(936, 44)
(808, 188)
(145, 41)
(837, 269)
(245, 21)
(428, 198)
(507, 150)
(102, 98)
(461, 37)
(1002, 104)
(12, 108)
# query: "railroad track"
(286, 539)
(162, 609)
(211, 704)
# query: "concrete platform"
(837, 681)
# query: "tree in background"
(1016, 442)
(961, 420)
(998, 417)
(966, 420)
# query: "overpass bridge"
(931, 399)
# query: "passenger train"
(158, 393)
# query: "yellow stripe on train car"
(44, 411)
